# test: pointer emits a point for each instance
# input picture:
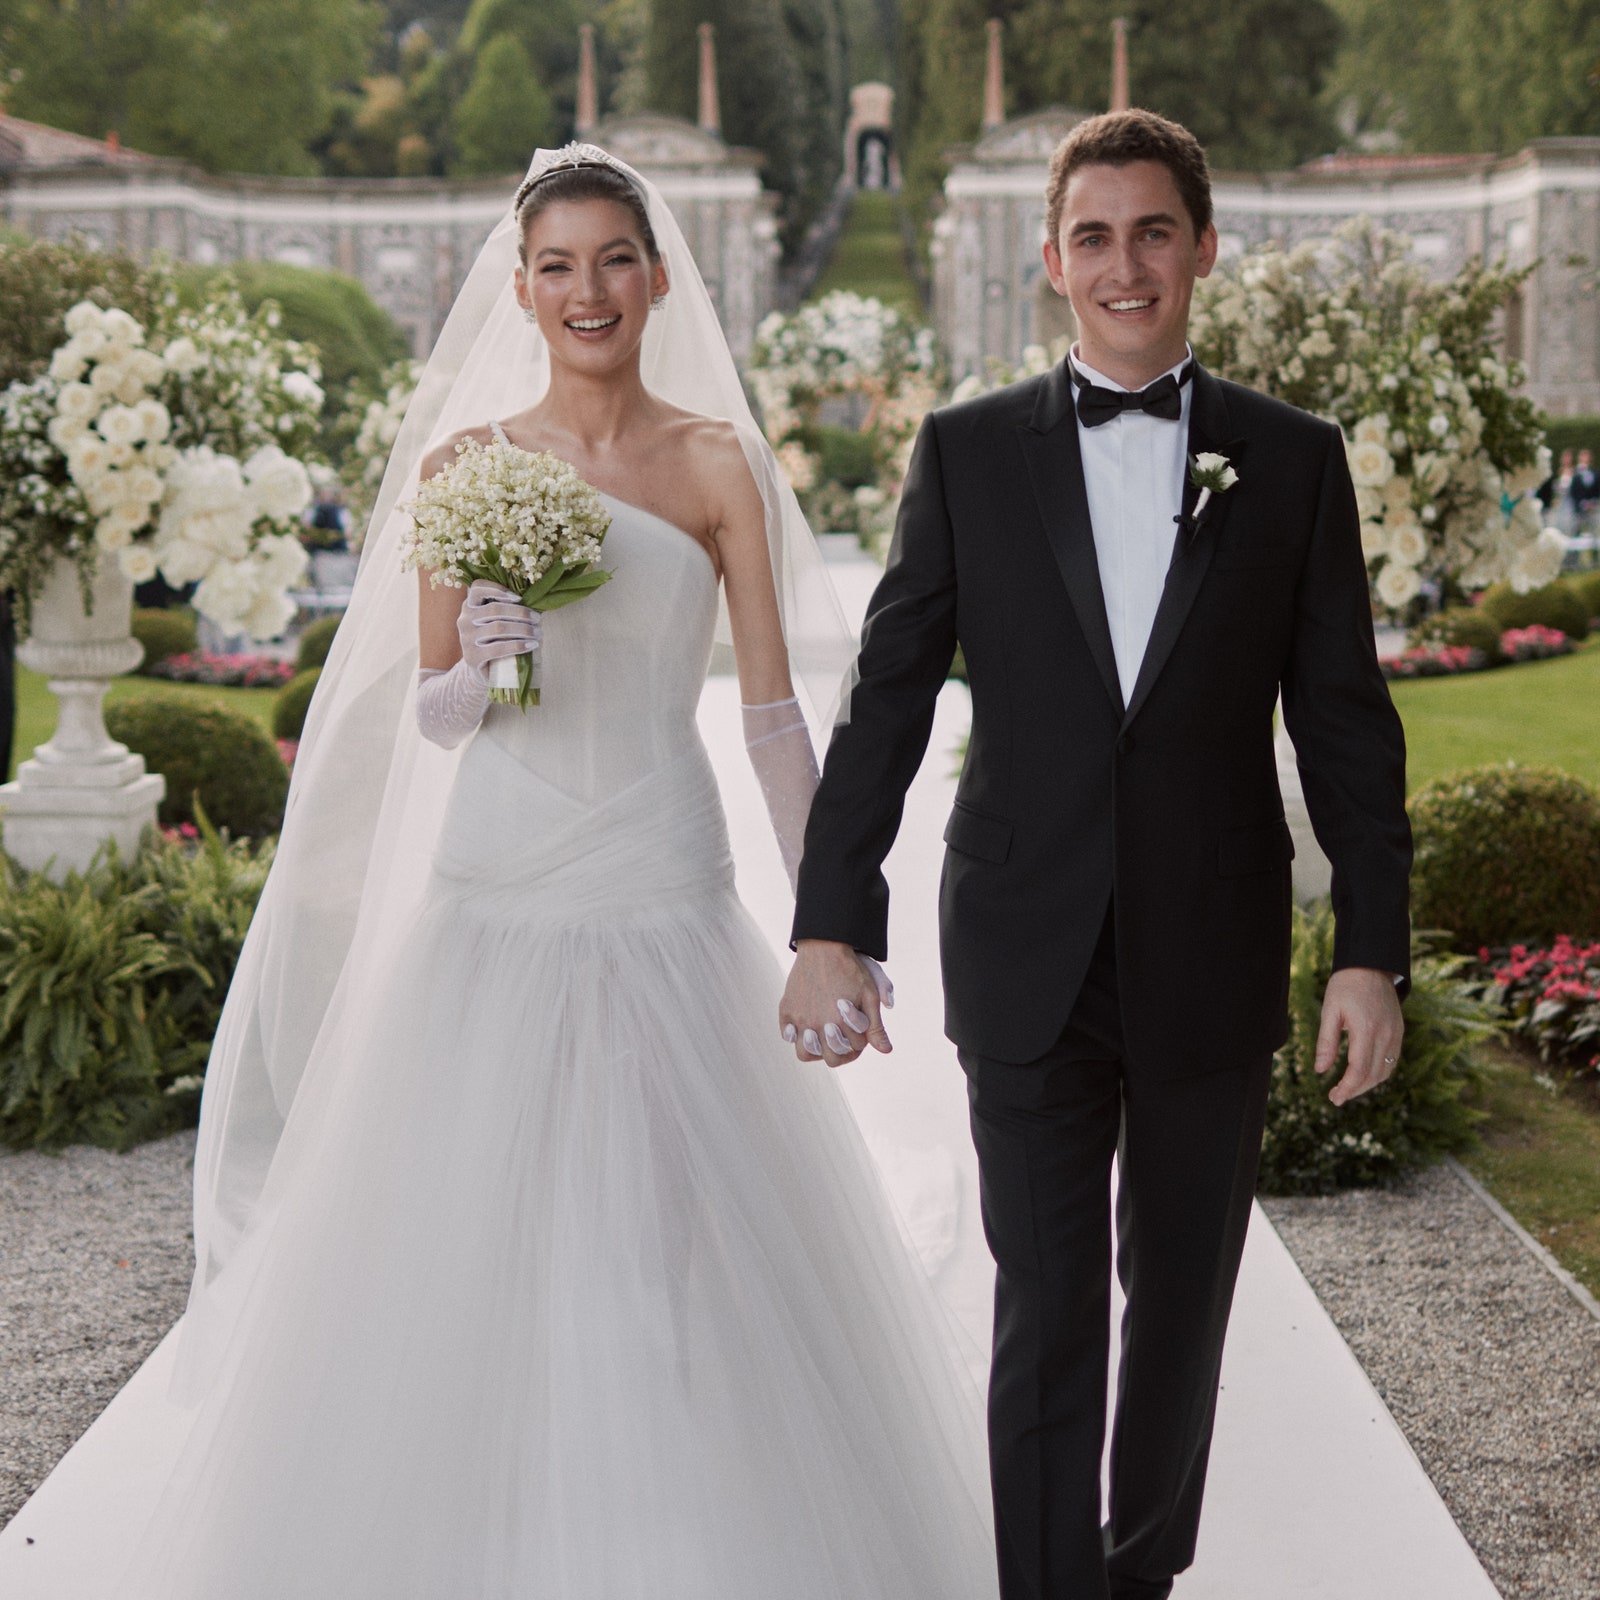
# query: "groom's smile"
(1126, 255)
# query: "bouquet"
(522, 519)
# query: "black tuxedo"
(1143, 846)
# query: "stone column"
(710, 108)
(82, 788)
(1119, 64)
(588, 108)
(994, 80)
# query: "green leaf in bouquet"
(574, 589)
(535, 593)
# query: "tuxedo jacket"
(1069, 797)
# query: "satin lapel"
(1055, 467)
(1191, 552)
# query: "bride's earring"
(659, 301)
(527, 314)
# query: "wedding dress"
(587, 1289)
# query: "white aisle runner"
(1314, 1493)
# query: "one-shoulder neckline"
(497, 429)
(672, 527)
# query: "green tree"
(506, 112)
(233, 85)
(780, 72)
(1468, 74)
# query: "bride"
(531, 1266)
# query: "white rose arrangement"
(519, 518)
(1443, 449)
(167, 449)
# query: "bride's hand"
(833, 1004)
(493, 623)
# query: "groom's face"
(1126, 255)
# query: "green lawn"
(1545, 712)
(1540, 1158)
(870, 257)
(36, 706)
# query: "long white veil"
(368, 793)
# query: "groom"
(1116, 892)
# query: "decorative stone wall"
(991, 297)
(411, 241)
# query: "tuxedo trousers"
(1187, 1153)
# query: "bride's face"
(589, 281)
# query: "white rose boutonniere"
(1210, 474)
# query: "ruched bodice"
(622, 669)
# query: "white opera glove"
(779, 746)
(450, 704)
(493, 624)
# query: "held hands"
(833, 1005)
(1361, 1002)
(493, 623)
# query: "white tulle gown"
(591, 1291)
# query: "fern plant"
(115, 980)
(1418, 1116)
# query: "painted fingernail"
(789, 1034)
(836, 1039)
(812, 1043)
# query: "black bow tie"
(1161, 399)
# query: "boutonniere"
(1210, 474)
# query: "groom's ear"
(1055, 270)
(1206, 251)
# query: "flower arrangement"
(224, 671)
(166, 446)
(519, 518)
(1536, 643)
(1443, 448)
(844, 346)
(1552, 997)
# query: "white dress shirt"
(1133, 472)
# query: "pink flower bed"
(1537, 643)
(1552, 997)
(224, 672)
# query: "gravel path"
(1490, 1367)
(95, 1259)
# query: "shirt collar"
(1111, 383)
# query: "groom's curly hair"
(1119, 138)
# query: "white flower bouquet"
(164, 448)
(519, 518)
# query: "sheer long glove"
(779, 747)
(492, 624)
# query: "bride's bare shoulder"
(712, 448)
(442, 454)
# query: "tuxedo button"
(1125, 744)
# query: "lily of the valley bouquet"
(519, 518)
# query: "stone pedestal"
(82, 788)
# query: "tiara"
(571, 158)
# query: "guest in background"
(328, 520)
(1552, 493)
(1584, 491)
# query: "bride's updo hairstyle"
(580, 183)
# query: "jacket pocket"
(975, 833)
(1262, 847)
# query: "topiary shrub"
(1506, 854)
(1554, 606)
(164, 633)
(1586, 585)
(204, 748)
(1469, 627)
(1314, 1147)
(294, 698)
(315, 643)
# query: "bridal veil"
(368, 793)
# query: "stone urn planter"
(82, 788)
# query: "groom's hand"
(1360, 1002)
(832, 1006)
